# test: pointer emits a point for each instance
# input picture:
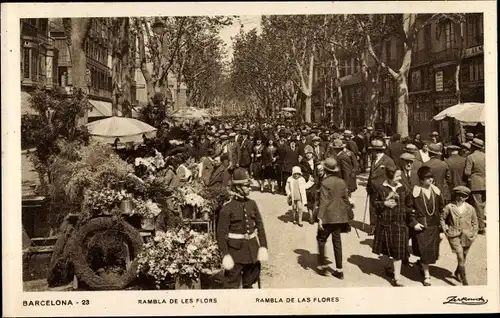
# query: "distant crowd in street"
(418, 190)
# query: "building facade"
(439, 48)
(39, 59)
(98, 51)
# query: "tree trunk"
(126, 68)
(402, 104)
(76, 31)
(340, 113)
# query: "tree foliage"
(54, 119)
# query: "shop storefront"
(420, 114)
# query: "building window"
(476, 70)
(416, 81)
(474, 23)
(34, 64)
(348, 68)
(449, 35)
(388, 51)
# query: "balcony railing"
(420, 56)
(448, 54)
(31, 31)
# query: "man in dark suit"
(475, 171)
(350, 144)
(348, 165)
(409, 177)
(334, 214)
(245, 150)
(319, 151)
(457, 166)
(377, 175)
(359, 139)
(396, 149)
(440, 171)
(221, 176)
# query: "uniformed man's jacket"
(241, 216)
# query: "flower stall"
(129, 221)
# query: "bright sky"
(249, 22)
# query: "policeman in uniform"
(241, 236)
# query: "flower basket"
(126, 206)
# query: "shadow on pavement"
(287, 217)
(369, 265)
(360, 226)
(367, 242)
(307, 260)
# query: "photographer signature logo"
(455, 300)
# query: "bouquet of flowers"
(189, 195)
(178, 254)
(151, 164)
(97, 201)
(148, 208)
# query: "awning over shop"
(101, 109)
(25, 104)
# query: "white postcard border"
(126, 303)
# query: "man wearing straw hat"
(241, 236)
(475, 171)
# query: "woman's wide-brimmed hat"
(308, 149)
(330, 164)
(377, 144)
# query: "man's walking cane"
(366, 207)
(259, 284)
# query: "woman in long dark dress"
(391, 231)
(426, 204)
(257, 151)
(269, 161)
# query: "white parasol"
(467, 113)
(126, 129)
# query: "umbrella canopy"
(288, 109)
(468, 113)
(126, 129)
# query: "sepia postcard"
(320, 157)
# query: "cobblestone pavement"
(293, 252)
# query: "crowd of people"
(417, 189)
